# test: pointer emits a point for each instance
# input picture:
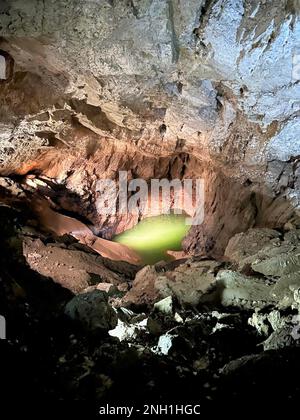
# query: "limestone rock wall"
(217, 81)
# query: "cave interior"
(138, 305)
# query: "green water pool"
(153, 236)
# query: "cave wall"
(100, 86)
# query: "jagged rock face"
(158, 88)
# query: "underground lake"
(154, 236)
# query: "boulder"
(187, 283)
(243, 247)
(165, 305)
(280, 338)
(72, 268)
(92, 311)
(285, 290)
(236, 289)
(279, 265)
(143, 291)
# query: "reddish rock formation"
(64, 225)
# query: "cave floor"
(170, 348)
